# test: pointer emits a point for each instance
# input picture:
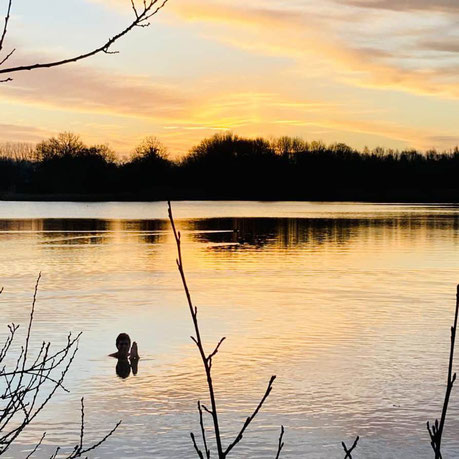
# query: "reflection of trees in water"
(230, 234)
(233, 234)
(61, 230)
(238, 231)
(76, 231)
(152, 231)
(260, 232)
(65, 231)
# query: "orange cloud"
(85, 89)
(406, 5)
(14, 132)
(313, 43)
(257, 103)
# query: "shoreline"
(389, 198)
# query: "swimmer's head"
(123, 344)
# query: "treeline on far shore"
(226, 166)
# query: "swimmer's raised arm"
(134, 354)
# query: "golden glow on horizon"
(263, 70)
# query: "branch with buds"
(142, 14)
(222, 452)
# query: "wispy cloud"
(301, 37)
(86, 89)
(15, 132)
(445, 45)
(336, 67)
(406, 5)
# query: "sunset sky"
(363, 72)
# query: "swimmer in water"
(127, 355)
(123, 344)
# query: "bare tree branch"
(79, 449)
(198, 451)
(216, 348)
(30, 384)
(207, 362)
(250, 418)
(7, 56)
(149, 9)
(5, 24)
(197, 339)
(281, 443)
(203, 431)
(206, 409)
(436, 430)
(349, 451)
(36, 446)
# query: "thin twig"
(198, 451)
(281, 443)
(216, 348)
(141, 19)
(29, 328)
(36, 446)
(436, 430)
(25, 395)
(207, 362)
(95, 445)
(5, 24)
(203, 431)
(197, 339)
(349, 451)
(7, 56)
(250, 418)
(82, 424)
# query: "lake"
(349, 304)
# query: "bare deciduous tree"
(18, 151)
(143, 11)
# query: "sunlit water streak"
(348, 304)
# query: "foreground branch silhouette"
(436, 430)
(142, 13)
(29, 384)
(222, 452)
(347, 450)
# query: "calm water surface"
(348, 304)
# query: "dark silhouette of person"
(123, 344)
(123, 368)
(128, 357)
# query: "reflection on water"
(350, 305)
(124, 366)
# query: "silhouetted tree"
(65, 145)
(17, 151)
(233, 167)
(148, 169)
(150, 150)
(289, 146)
(67, 165)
